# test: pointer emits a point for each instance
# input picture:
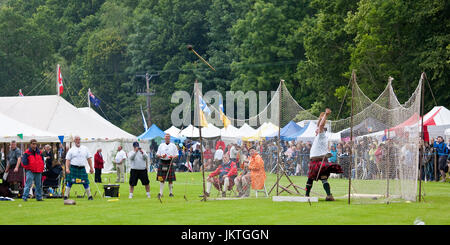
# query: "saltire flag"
(224, 118)
(60, 81)
(20, 92)
(94, 100)
(143, 120)
(203, 110)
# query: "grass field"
(250, 211)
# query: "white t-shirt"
(233, 152)
(168, 149)
(78, 155)
(120, 156)
(319, 147)
(218, 155)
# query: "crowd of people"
(242, 165)
(371, 158)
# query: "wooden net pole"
(351, 141)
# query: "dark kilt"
(77, 175)
(15, 177)
(163, 168)
(326, 169)
(218, 183)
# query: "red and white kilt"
(326, 169)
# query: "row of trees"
(313, 45)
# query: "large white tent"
(10, 130)
(54, 114)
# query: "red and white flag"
(189, 166)
(60, 81)
(20, 92)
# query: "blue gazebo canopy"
(155, 132)
(290, 131)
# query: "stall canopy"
(436, 121)
(190, 132)
(154, 132)
(210, 131)
(229, 134)
(11, 129)
(265, 130)
(289, 132)
(367, 126)
(173, 131)
(245, 131)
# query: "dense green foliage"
(312, 44)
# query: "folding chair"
(262, 190)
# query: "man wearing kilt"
(76, 160)
(14, 167)
(167, 153)
(319, 167)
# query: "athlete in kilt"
(223, 177)
(167, 153)
(76, 160)
(319, 167)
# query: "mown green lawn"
(251, 211)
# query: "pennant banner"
(61, 138)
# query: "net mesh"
(381, 159)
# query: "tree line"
(314, 45)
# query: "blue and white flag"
(203, 106)
(94, 100)
(143, 120)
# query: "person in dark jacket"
(98, 165)
(442, 151)
(33, 163)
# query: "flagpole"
(201, 140)
(89, 99)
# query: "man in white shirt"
(120, 159)
(233, 153)
(218, 156)
(167, 152)
(76, 159)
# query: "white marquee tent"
(10, 129)
(54, 114)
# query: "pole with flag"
(224, 118)
(143, 120)
(202, 107)
(59, 81)
(92, 99)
